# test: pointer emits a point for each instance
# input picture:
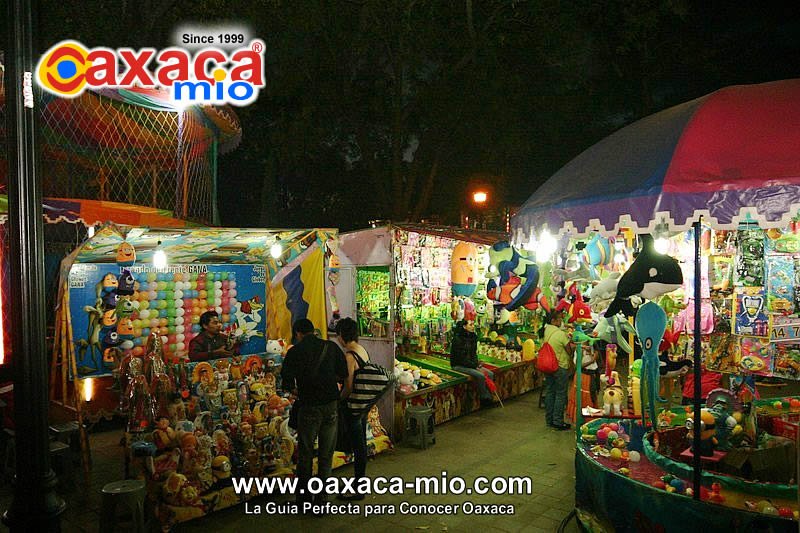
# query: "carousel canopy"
(729, 156)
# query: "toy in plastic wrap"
(720, 273)
(756, 355)
(708, 431)
(723, 312)
(750, 258)
(786, 241)
(723, 404)
(724, 242)
(787, 360)
(751, 317)
(723, 355)
(780, 284)
(688, 279)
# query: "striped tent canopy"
(730, 156)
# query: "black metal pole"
(696, 464)
(36, 506)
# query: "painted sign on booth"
(110, 309)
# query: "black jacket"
(464, 349)
(298, 368)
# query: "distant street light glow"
(479, 197)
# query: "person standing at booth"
(556, 383)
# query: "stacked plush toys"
(411, 378)
(501, 347)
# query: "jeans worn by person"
(480, 379)
(315, 422)
(357, 428)
(556, 398)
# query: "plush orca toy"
(651, 275)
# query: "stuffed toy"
(577, 309)
(603, 292)
(598, 251)
(581, 274)
(612, 395)
(463, 273)
(614, 330)
(651, 275)
(126, 283)
(126, 254)
(651, 322)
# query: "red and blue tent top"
(730, 156)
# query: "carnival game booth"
(130, 304)
(400, 284)
(706, 193)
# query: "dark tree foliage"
(389, 108)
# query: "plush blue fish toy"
(598, 251)
(651, 323)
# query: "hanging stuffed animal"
(126, 254)
(603, 292)
(463, 263)
(614, 330)
(598, 251)
(651, 322)
(651, 275)
(576, 308)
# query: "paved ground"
(500, 442)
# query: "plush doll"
(651, 275)
(708, 439)
(577, 309)
(126, 254)
(603, 292)
(651, 322)
(406, 381)
(126, 283)
(614, 330)
(275, 351)
(598, 251)
(612, 395)
(463, 273)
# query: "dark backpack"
(370, 383)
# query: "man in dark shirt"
(209, 344)
(314, 376)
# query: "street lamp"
(479, 197)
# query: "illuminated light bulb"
(276, 250)
(88, 389)
(619, 259)
(661, 245)
(90, 232)
(542, 255)
(159, 257)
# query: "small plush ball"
(619, 443)
(612, 435)
(670, 489)
(614, 426)
(659, 485)
(585, 430)
(616, 453)
(667, 478)
(689, 491)
(786, 512)
(678, 484)
(603, 426)
(634, 456)
(794, 403)
(770, 510)
(777, 405)
(762, 505)
(602, 435)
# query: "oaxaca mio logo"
(210, 76)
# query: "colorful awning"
(724, 156)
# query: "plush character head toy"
(110, 300)
(109, 283)
(126, 283)
(469, 310)
(651, 275)
(126, 254)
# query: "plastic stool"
(62, 451)
(130, 493)
(65, 432)
(419, 427)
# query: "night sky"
(378, 109)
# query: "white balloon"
(218, 310)
(232, 303)
(180, 337)
(179, 329)
(218, 292)
(232, 285)
(180, 346)
(179, 311)
(232, 293)
(127, 345)
(144, 313)
(164, 339)
(217, 284)
(178, 294)
(179, 321)
(178, 305)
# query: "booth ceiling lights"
(547, 247)
(661, 236)
(276, 250)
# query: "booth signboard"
(169, 300)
